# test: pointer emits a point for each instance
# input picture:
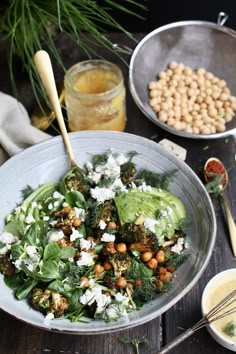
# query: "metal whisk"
(216, 313)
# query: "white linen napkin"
(16, 131)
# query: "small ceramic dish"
(222, 330)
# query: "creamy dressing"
(220, 288)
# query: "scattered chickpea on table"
(194, 101)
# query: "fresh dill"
(230, 329)
(135, 342)
(156, 180)
(214, 186)
(26, 191)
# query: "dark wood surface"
(18, 337)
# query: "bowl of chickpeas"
(183, 78)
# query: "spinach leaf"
(23, 291)
(35, 234)
(75, 198)
(66, 252)
(16, 281)
(52, 250)
(16, 228)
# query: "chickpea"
(84, 282)
(166, 277)
(121, 282)
(201, 72)
(121, 247)
(171, 269)
(152, 263)
(172, 65)
(162, 75)
(196, 130)
(138, 282)
(160, 256)
(112, 225)
(220, 127)
(164, 106)
(153, 93)
(163, 116)
(222, 83)
(98, 268)
(157, 108)
(171, 122)
(205, 130)
(107, 265)
(152, 85)
(146, 256)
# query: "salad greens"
(99, 243)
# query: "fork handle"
(176, 341)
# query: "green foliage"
(30, 25)
(135, 342)
(230, 329)
(157, 180)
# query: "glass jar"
(95, 96)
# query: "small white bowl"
(217, 288)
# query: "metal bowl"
(48, 161)
(194, 43)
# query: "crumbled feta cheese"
(46, 218)
(85, 259)
(17, 263)
(178, 247)
(121, 159)
(79, 213)
(31, 250)
(95, 294)
(117, 185)
(144, 187)
(54, 235)
(56, 204)
(34, 204)
(49, 316)
(102, 194)
(108, 237)
(50, 206)
(86, 245)
(4, 249)
(8, 238)
(102, 224)
(89, 166)
(29, 219)
(75, 234)
(150, 224)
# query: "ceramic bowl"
(48, 161)
(217, 286)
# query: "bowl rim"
(87, 135)
(220, 338)
(216, 26)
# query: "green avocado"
(157, 204)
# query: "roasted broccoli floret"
(131, 233)
(148, 243)
(138, 237)
(120, 262)
(49, 301)
(127, 172)
(76, 180)
(101, 212)
(6, 266)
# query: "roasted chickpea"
(160, 256)
(84, 282)
(152, 263)
(121, 247)
(107, 265)
(121, 282)
(166, 277)
(146, 256)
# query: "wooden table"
(21, 338)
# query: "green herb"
(135, 342)
(26, 191)
(153, 179)
(214, 186)
(175, 259)
(229, 329)
(39, 23)
(206, 147)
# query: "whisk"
(217, 312)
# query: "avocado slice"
(157, 204)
